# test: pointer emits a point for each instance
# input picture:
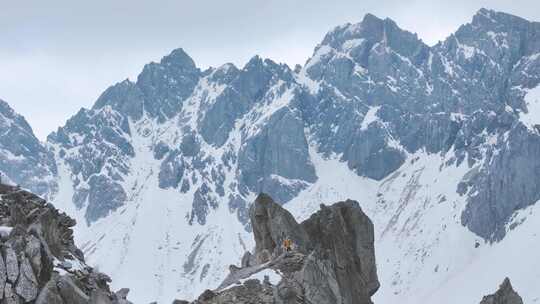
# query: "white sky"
(60, 55)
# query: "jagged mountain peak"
(179, 58)
(223, 74)
(504, 295)
(499, 35)
(159, 91)
(23, 158)
(11, 118)
(259, 64)
(124, 96)
(490, 17)
(254, 61)
(372, 29)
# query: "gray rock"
(190, 146)
(12, 264)
(10, 297)
(3, 276)
(126, 97)
(320, 282)
(247, 260)
(160, 150)
(41, 238)
(70, 292)
(504, 295)
(99, 297)
(122, 293)
(343, 234)
(49, 294)
(33, 252)
(246, 88)
(203, 200)
(171, 171)
(279, 150)
(104, 197)
(504, 184)
(272, 224)
(27, 285)
(290, 291)
(166, 84)
(252, 291)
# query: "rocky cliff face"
(333, 259)
(39, 262)
(504, 295)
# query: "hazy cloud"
(58, 56)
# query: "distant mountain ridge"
(23, 159)
(438, 138)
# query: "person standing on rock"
(287, 244)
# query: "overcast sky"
(58, 56)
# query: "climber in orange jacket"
(287, 244)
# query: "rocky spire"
(332, 261)
(504, 295)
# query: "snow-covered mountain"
(440, 145)
(24, 160)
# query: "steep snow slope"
(148, 243)
(424, 254)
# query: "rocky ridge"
(39, 262)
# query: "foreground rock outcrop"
(504, 295)
(332, 261)
(39, 262)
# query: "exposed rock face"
(504, 295)
(39, 262)
(271, 224)
(343, 235)
(98, 193)
(23, 159)
(333, 260)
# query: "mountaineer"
(287, 244)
